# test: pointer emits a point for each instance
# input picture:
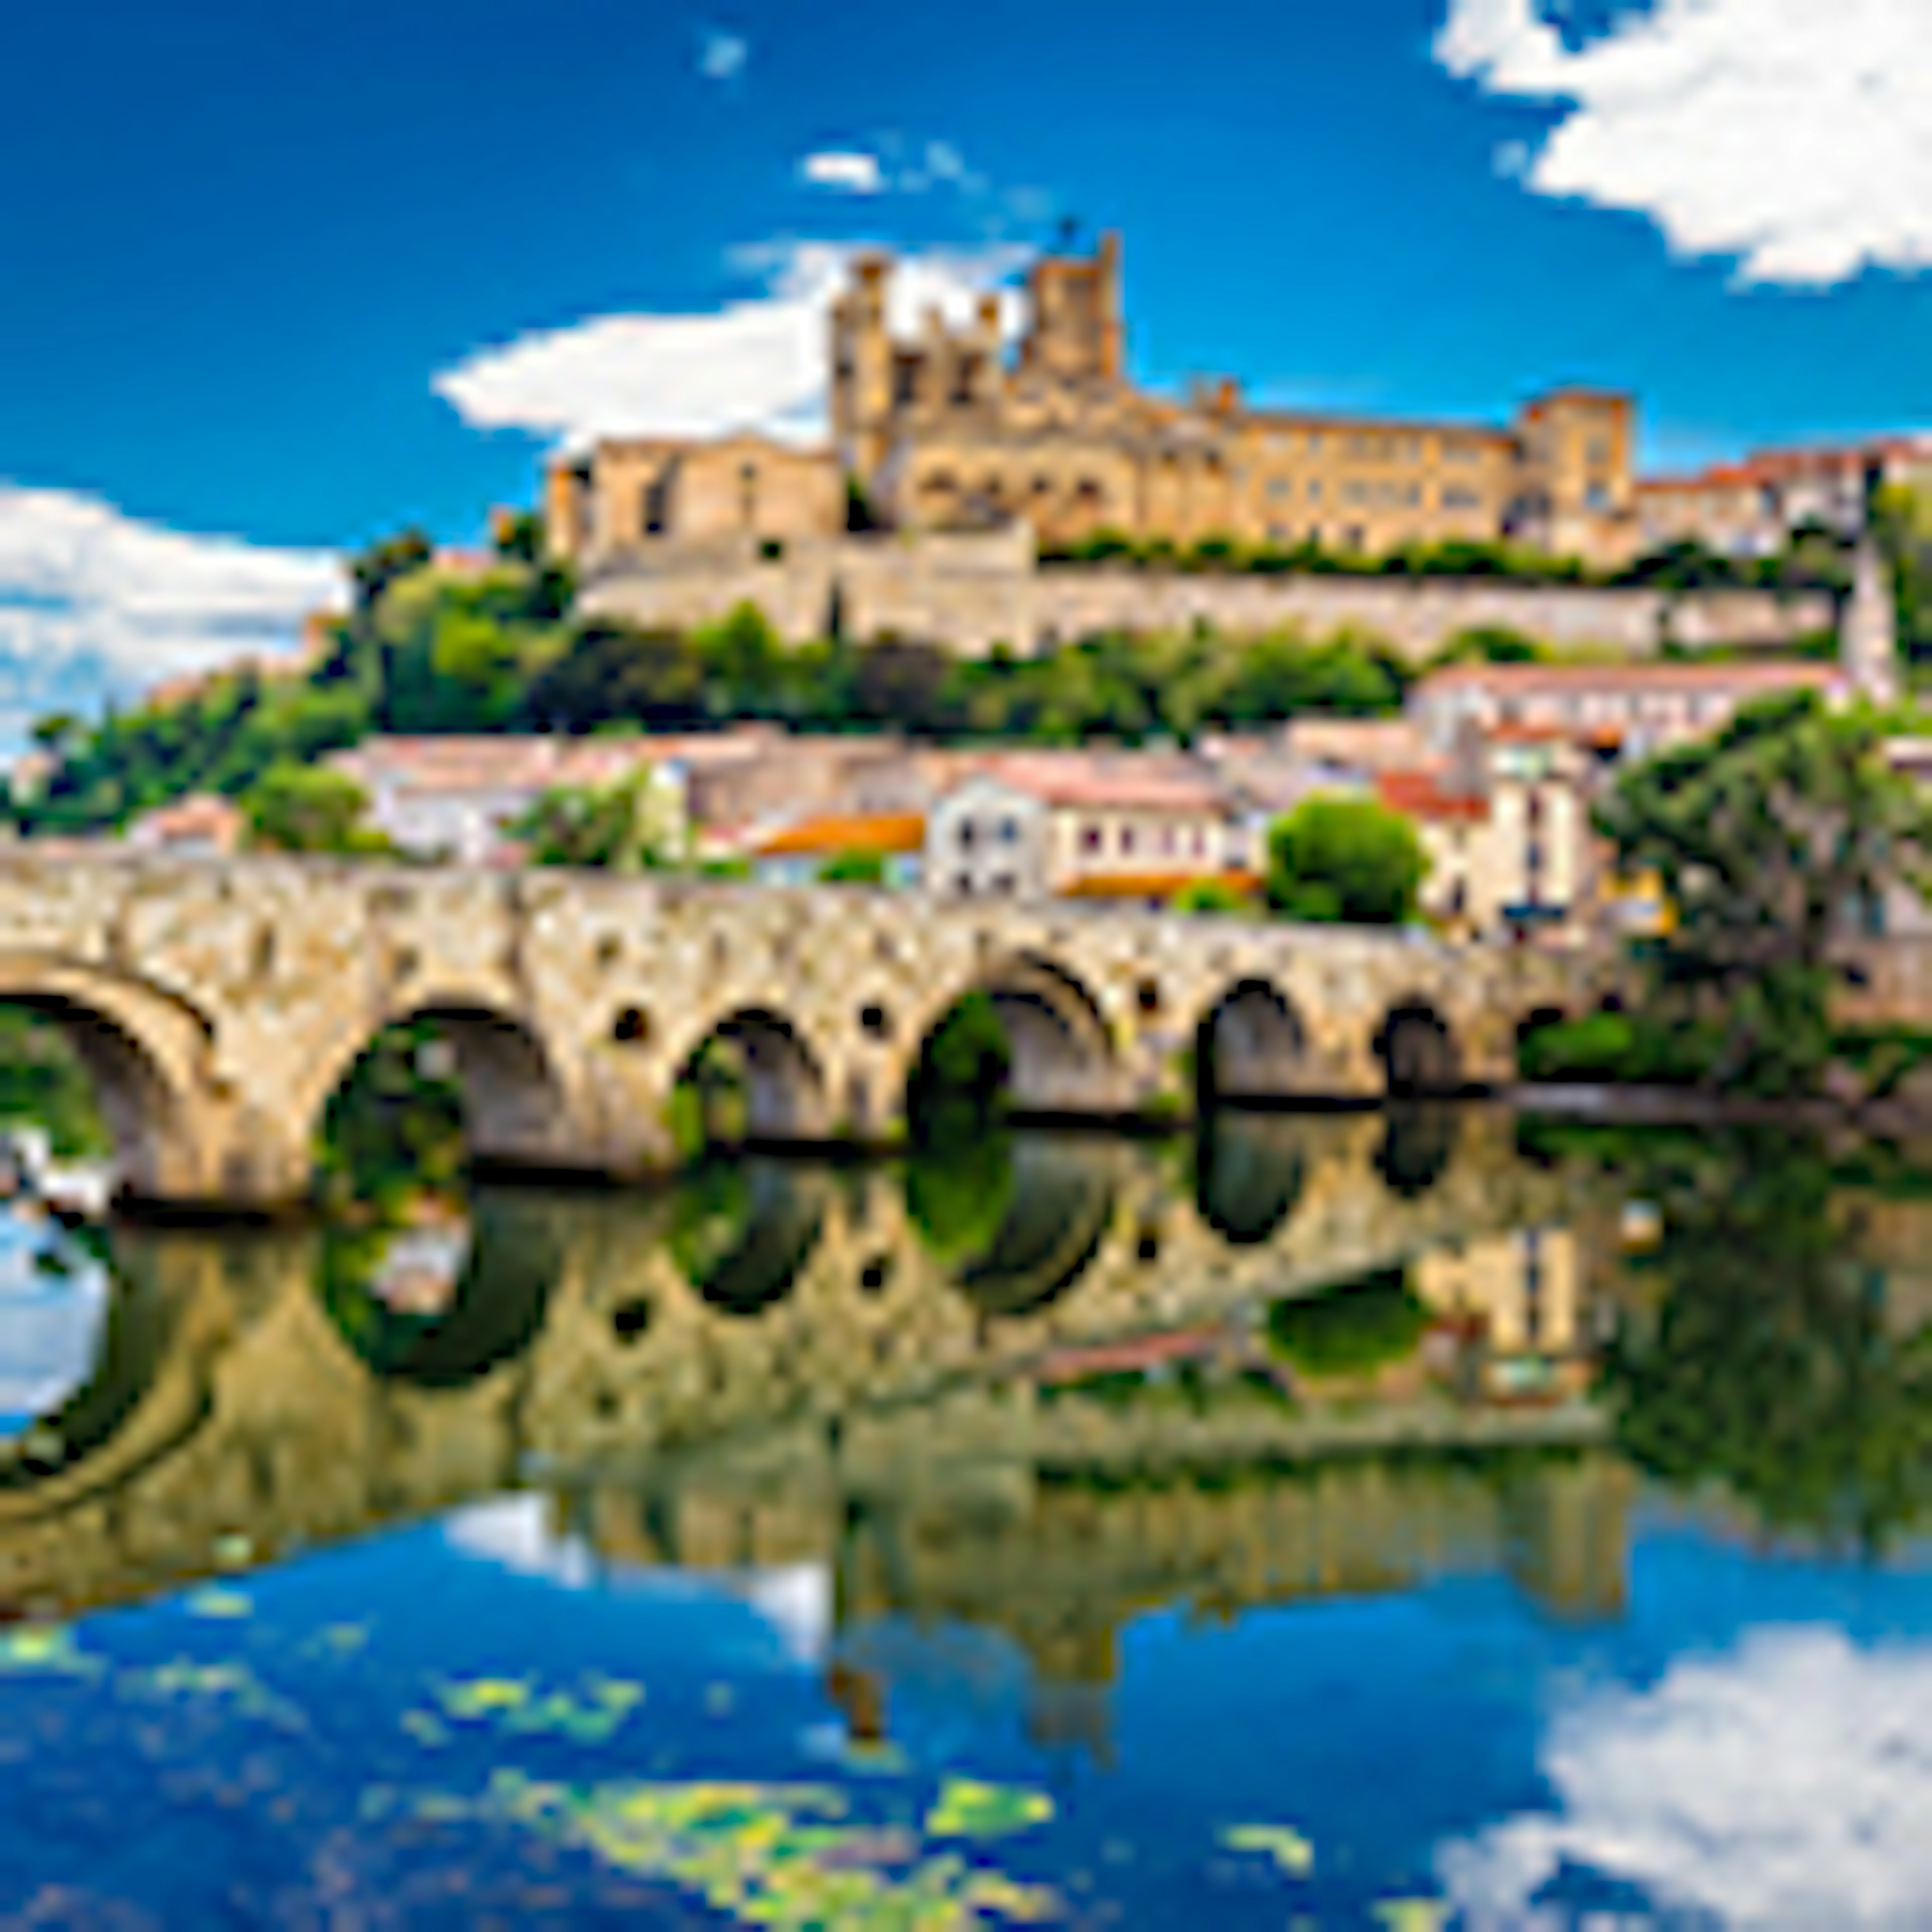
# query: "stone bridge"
(219, 1004)
(251, 1397)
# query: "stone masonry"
(221, 1003)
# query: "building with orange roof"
(796, 854)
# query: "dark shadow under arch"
(1250, 1046)
(1060, 1049)
(757, 1083)
(1418, 1052)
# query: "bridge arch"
(514, 1112)
(1250, 1046)
(754, 1080)
(1061, 1054)
(144, 1052)
(1418, 1051)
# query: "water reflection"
(1367, 1484)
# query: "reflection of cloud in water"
(50, 1325)
(1787, 1784)
(518, 1533)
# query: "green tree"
(1211, 895)
(611, 673)
(1764, 838)
(384, 563)
(519, 538)
(1492, 644)
(1902, 516)
(1352, 1329)
(853, 868)
(1351, 860)
(295, 808)
(620, 828)
(1761, 1352)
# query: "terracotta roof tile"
(828, 833)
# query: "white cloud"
(80, 581)
(1794, 136)
(849, 171)
(722, 56)
(756, 364)
(1786, 1784)
(520, 1534)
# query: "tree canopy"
(621, 827)
(1348, 860)
(1767, 839)
(310, 808)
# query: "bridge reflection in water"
(1036, 1390)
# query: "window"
(1010, 832)
(1126, 838)
(1090, 838)
(969, 834)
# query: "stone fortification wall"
(1418, 616)
(973, 592)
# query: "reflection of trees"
(1019, 1219)
(1352, 1329)
(495, 1313)
(1249, 1172)
(742, 1234)
(958, 1193)
(1768, 1362)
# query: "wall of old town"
(972, 592)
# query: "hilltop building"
(949, 432)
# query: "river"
(1415, 1520)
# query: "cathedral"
(953, 431)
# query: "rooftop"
(826, 834)
(1420, 795)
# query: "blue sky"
(296, 275)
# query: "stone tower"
(1868, 632)
(862, 368)
(1075, 333)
